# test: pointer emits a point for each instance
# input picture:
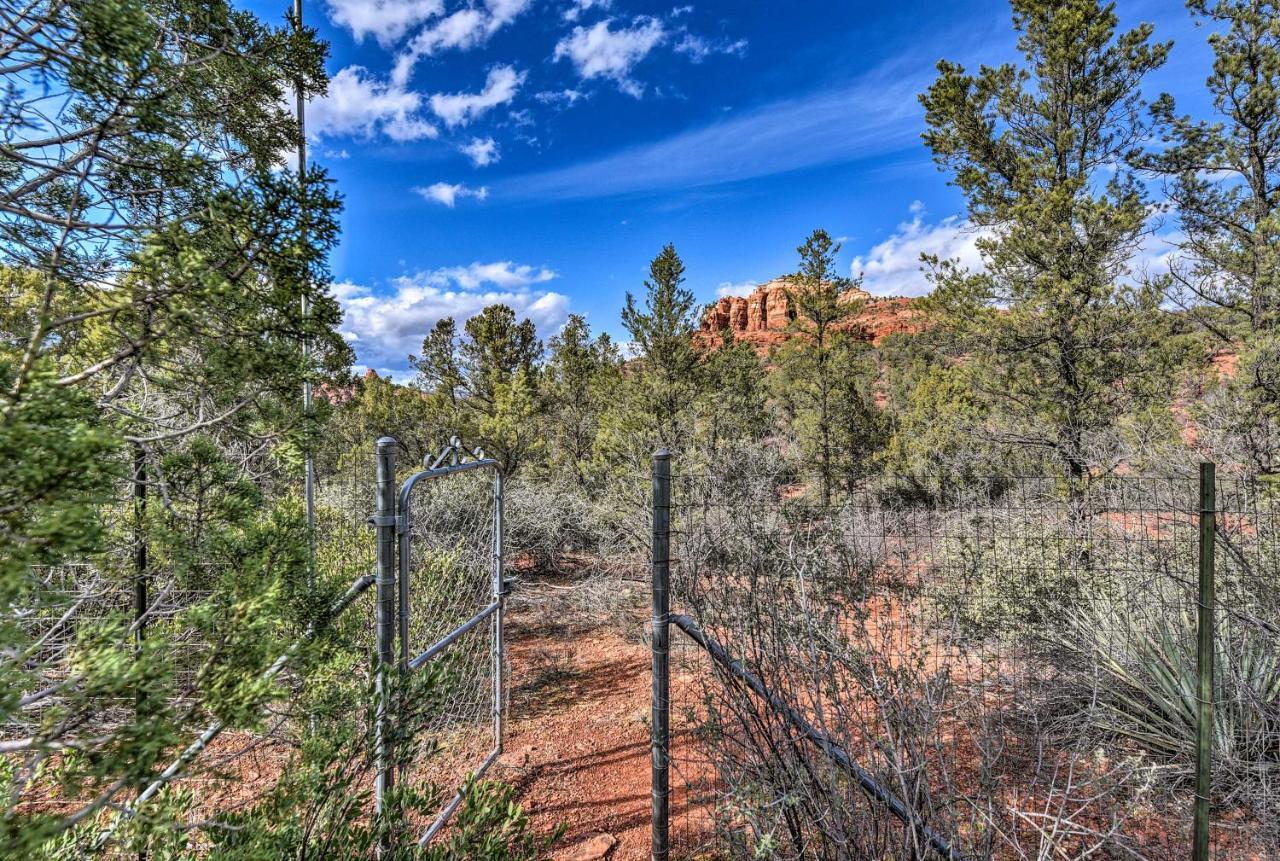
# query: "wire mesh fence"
(451, 532)
(1012, 663)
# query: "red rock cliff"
(764, 317)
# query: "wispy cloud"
(464, 29)
(742, 288)
(577, 7)
(892, 267)
(458, 109)
(876, 115)
(448, 194)
(699, 48)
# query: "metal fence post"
(1204, 661)
(499, 598)
(660, 735)
(385, 521)
(140, 598)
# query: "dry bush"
(958, 655)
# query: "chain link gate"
(442, 595)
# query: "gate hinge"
(385, 520)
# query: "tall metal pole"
(309, 489)
(385, 521)
(1204, 661)
(141, 600)
(660, 737)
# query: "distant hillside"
(764, 317)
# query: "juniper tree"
(733, 408)
(485, 385)
(154, 268)
(581, 376)
(1055, 331)
(1224, 183)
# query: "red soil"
(577, 745)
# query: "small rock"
(595, 849)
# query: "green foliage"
(661, 393)
(491, 826)
(1150, 694)
(824, 378)
(1058, 339)
(1221, 175)
(579, 381)
(485, 386)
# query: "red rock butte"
(764, 318)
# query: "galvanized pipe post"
(660, 735)
(499, 598)
(1204, 661)
(384, 520)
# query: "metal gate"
(441, 595)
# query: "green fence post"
(1204, 662)
(660, 727)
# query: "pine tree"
(1223, 177)
(666, 372)
(822, 376)
(1056, 336)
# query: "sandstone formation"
(764, 318)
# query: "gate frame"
(394, 551)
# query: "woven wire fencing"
(1015, 666)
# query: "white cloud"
(447, 194)
(385, 20)
(803, 132)
(742, 288)
(699, 48)
(892, 267)
(358, 104)
(602, 52)
(385, 329)
(580, 6)
(567, 97)
(463, 30)
(481, 151)
(500, 87)
(504, 274)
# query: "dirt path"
(578, 733)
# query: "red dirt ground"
(577, 745)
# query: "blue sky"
(540, 152)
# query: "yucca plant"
(1149, 696)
